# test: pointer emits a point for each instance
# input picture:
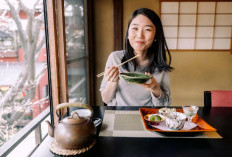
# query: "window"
(197, 25)
(24, 77)
(76, 50)
(27, 76)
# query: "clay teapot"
(73, 132)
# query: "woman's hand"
(153, 86)
(112, 74)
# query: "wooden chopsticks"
(101, 74)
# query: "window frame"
(57, 71)
(196, 26)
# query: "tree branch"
(38, 24)
(30, 18)
(18, 85)
(39, 47)
(23, 7)
(36, 3)
(17, 20)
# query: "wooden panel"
(91, 59)
(52, 29)
(118, 24)
(62, 52)
(57, 52)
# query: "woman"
(145, 37)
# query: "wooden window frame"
(58, 61)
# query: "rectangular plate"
(202, 125)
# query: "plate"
(135, 77)
(200, 124)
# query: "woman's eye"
(148, 30)
(135, 28)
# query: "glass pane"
(205, 20)
(222, 44)
(186, 31)
(77, 78)
(44, 126)
(170, 31)
(169, 20)
(169, 7)
(204, 43)
(76, 50)
(206, 7)
(171, 43)
(188, 7)
(205, 31)
(222, 32)
(23, 67)
(224, 7)
(186, 43)
(187, 20)
(223, 20)
(25, 147)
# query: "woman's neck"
(142, 59)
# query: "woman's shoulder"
(163, 72)
(116, 56)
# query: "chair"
(217, 98)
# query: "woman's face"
(141, 34)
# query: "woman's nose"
(140, 34)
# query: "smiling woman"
(144, 37)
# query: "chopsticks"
(101, 74)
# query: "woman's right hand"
(112, 74)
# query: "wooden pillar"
(57, 47)
(118, 24)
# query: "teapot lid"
(75, 119)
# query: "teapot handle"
(75, 104)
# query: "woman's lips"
(140, 42)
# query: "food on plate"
(155, 118)
(175, 120)
(164, 111)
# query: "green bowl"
(135, 77)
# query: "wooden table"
(219, 118)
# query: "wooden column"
(55, 16)
(118, 24)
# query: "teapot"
(73, 132)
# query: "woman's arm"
(112, 76)
(160, 93)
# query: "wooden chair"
(218, 98)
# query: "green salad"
(155, 118)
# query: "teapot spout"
(50, 129)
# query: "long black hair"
(156, 53)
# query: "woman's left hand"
(153, 86)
